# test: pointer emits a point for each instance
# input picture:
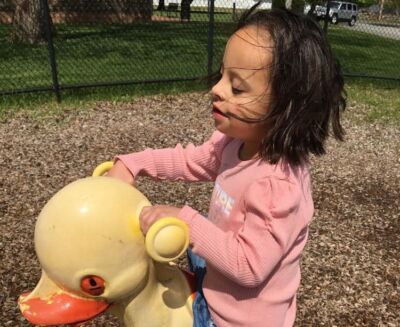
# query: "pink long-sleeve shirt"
(255, 231)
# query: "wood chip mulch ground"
(350, 268)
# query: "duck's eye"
(93, 285)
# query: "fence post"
(50, 47)
(326, 19)
(210, 39)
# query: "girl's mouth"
(218, 113)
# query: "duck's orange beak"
(49, 305)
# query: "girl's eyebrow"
(241, 68)
(232, 71)
(235, 74)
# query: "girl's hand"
(120, 172)
(150, 215)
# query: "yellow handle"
(102, 168)
(167, 239)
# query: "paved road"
(385, 31)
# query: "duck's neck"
(164, 301)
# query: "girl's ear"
(167, 239)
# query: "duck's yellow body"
(94, 257)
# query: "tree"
(28, 22)
(396, 6)
(161, 5)
(381, 4)
(313, 4)
(185, 10)
(278, 3)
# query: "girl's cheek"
(237, 108)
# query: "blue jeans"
(201, 315)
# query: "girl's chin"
(221, 128)
(218, 122)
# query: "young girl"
(279, 93)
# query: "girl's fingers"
(150, 215)
(146, 219)
(120, 171)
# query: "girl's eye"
(236, 90)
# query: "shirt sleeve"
(272, 225)
(192, 163)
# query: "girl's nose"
(217, 92)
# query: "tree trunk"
(28, 22)
(278, 3)
(288, 4)
(185, 10)
(161, 5)
(381, 4)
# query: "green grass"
(364, 53)
(90, 54)
(44, 103)
(100, 53)
(147, 51)
(378, 100)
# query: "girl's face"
(243, 90)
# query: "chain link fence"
(52, 45)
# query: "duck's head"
(92, 252)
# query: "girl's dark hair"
(307, 86)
